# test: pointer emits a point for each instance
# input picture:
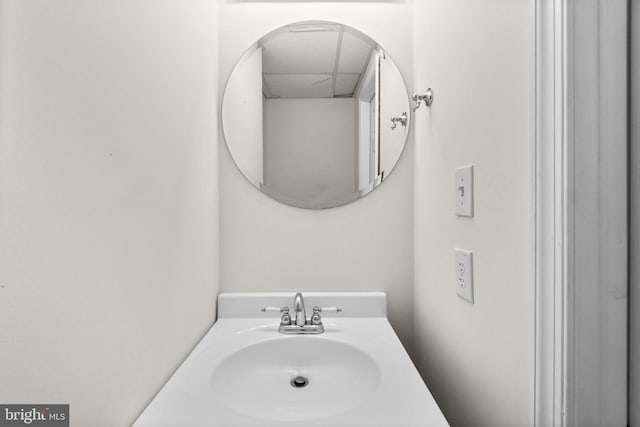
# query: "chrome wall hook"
(427, 97)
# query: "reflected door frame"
(368, 126)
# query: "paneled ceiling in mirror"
(331, 68)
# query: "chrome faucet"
(298, 309)
(299, 324)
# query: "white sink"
(356, 373)
(256, 380)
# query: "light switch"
(464, 191)
(464, 274)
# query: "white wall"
(108, 188)
(366, 245)
(310, 149)
(476, 359)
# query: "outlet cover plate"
(464, 191)
(464, 274)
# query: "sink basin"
(245, 373)
(257, 380)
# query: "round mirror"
(315, 114)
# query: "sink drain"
(299, 382)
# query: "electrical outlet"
(464, 191)
(464, 274)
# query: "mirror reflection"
(315, 115)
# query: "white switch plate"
(464, 274)
(464, 191)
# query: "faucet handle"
(332, 309)
(316, 319)
(285, 319)
(278, 309)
